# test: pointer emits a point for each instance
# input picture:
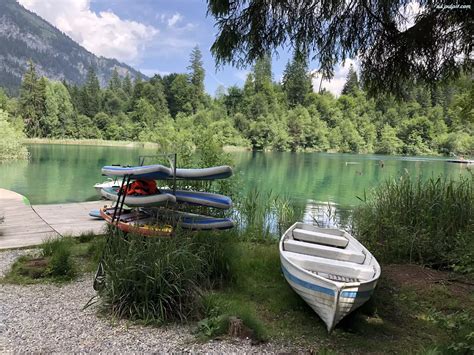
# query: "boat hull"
(331, 300)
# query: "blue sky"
(192, 27)
(154, 36)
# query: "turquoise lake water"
(67, 173)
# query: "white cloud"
(104, 34)
(173, 20)
(336, 84)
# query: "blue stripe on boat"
(307, 284)
(356, 294)
(325, 290)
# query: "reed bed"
(157, 280)
(263, 216)
(416, 220)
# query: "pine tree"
(115, 84)
(351, 86)
(296, 81)
(91, 94)
(196, 78)
(262, 71)
(180, 91)
(32, 100)
(127, 85)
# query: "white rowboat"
(329, 269)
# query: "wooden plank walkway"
(26, 225)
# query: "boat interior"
(327, 253)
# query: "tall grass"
(263, 216)
(156, 280)
(422, 221)
(58, 253)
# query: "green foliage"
(175, 112)
(58, 252)
(263, 217)
(61, 260)
(297, 80)
(395, 49)
(32, 100)
(389, 143)
(351, 86)
(460, 326)
(91, 94)
(219, 313)
(422, 221)
(196, 79)
(11, 147)
(160, 279)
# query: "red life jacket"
(142, 187)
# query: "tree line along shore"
(264, 114)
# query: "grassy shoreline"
(95, 142)
(413, 307)
(151, 145)
(107, 143)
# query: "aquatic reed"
(427, 221)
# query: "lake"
(66, 173)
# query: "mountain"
(24, 36)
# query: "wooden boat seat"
(345, 271)
(324, 251)
(319, 238)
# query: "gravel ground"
(48, 318)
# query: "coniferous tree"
(296, 80)
(196, 78)
(233, 99)
(262, 72)
(115, 84)
(352, 83)
(3, 100)
(394, 49)
(127, 85)
(137, 91)
(91, 94)
(179, 93)
(155, 95)
(32, 99)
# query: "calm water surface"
(67, 173)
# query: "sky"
(155, 36)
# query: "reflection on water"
(67, 173)
(327, 215)
(336, 178)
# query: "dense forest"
(174, 110)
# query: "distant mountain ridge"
(24, 36)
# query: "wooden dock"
(27, 225)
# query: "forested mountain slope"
(25, 36)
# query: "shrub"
(58, 253)
(160, 279)
(11, 147)
(415, 220)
